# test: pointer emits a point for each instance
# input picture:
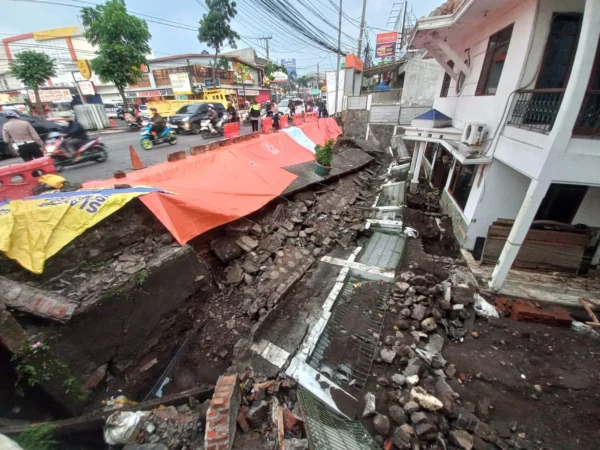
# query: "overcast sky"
(20, 17)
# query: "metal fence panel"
(357, 102)
(385, 114)
(328, 431)
(408, 113)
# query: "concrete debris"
(246, 243)
(387, 355)
(369, 405)
(381, 424)
(425, 400)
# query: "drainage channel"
(344, 342)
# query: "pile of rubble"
(415, 404)
(266, 258)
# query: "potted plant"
(324, 155)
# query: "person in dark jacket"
(76, 135)
(232, 112)
(254, 115)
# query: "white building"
(526, 73)
(66, 46)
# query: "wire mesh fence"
(328, 431)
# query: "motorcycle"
(217, 130)
(149, 138)
(134, 125)
(92, 150)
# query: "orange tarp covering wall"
(321, 131)
(222, 185)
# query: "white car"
(144, 111)
(283, 105)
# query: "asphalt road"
(117, 146)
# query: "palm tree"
(303, 81)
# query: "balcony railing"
(536, 109)
(588, 120)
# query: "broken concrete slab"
(247, 243)
(38, 302)
(225, 248)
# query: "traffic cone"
(136, 163)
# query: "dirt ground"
(541, 381)
(510, 359)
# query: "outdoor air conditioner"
(473, 133)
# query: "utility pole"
(402, 39)
(339, 51)
(362, 27)
(266, 39)
(318, 87)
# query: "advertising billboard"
(180, 83)
(385, 46)
(290, 65)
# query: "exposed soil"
(509, 358)
(438, 238)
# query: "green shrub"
(37, 437)
(324, 153)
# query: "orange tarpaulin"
(321, 131)
(222, 185)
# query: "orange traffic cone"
(136, 163)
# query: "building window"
(447, 80)
(493, 63)
(461, 183)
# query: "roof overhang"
(443, 37)
(465, 154)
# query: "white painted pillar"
(414, 184)
(579, 77)
(534, 196)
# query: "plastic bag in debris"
(411, 232)
(121, 425)
(483, 308)
(581, 327)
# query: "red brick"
(211, 434)
(241, 420)
(227, 381)
(213, 422)
(220, 440)
(223, 447)
(212, 447)
(219, 403)
(212, 413)
(289, 420)
(553, 315)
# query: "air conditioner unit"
(473, 133)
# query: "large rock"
(387, 355)
(402, 286)
(435, 344)
(401, 439)
(235, 274)
(251, 267)
(426, 431)
(399, 379)
(247, 243)
(415, 367)
(425, 400)
(419, 312)
(461, 439)
(226, 248)
(397, 415)
(369, 405)
(381, 424)
(428, 325)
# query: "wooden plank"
(97, 418)
(280, 429)
(551, 237)
(584, 303)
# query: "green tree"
(122, 41)
(215, 28)
(223, 63)
(33, 70)
(243, 70)
(303, 81)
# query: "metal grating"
(346, 348)
(383, 250)
(328, 431)
(392, 195)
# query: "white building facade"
(525, 76)
(65, 46)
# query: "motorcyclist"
(129, 116)
(232, 112)
(157, 121)
(75, 135)
(213, 117)
(269, 109)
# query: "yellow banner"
(54, 33)
(84, 68)
(35, 228)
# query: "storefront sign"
(209, 83)
(11, 99)
(152, 93)
(84, 69)
(52, 95)
(386, 44)
(87, 87)
(180, 83)
(290, 65)
(250, 92)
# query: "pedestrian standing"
(254, 115)
(232, 112)
(275, 110)
(21, 134)
(269, 109)
(292, 108)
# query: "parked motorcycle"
(149, 138)
(92, 150)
